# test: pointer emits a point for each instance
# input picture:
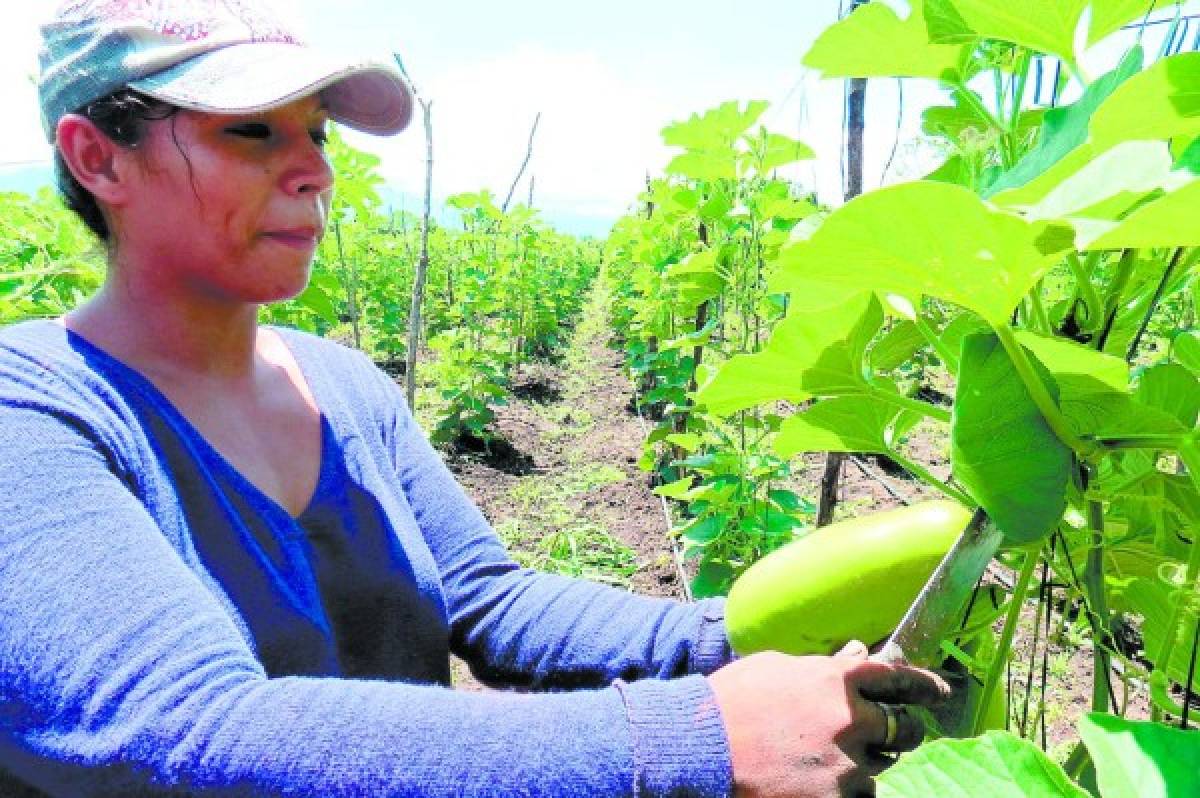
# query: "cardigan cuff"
(679, 742)
(711, 649)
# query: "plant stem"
(933, 339)
(923, 474)
(1083, 281)
(908, 403)
(1040, 395)
(1039, 310)
(1093, 585)
(1112, 299)
(992, 679)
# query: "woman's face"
(228, 207)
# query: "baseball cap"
(219, 56)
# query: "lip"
(296, 237)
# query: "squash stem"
(915, 405)
(923, 474)
(934, 340)
(996, 667)
(1093, 585)
(1041, 396)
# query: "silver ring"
(893, 725)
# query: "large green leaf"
(1169, 221)
(841, 424)
(816, 353)
(1063, 131)
(1141, 759)
(1161, 103)
(995, 765)
(1047, 27)
(901, 240)
(1002, 450)
(873, 42)
(1109, 15)
(1109, 184)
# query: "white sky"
(606, 77)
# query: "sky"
(606, 77)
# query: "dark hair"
(121, 116)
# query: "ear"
(96, 161)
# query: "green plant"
(1034, 265)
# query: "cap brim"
(258, 76)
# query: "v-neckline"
(211, 452)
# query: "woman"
(230, 564)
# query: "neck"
(169, 338)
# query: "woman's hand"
(813, 727)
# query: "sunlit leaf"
(1108, 16)
(897, 240)
(995, 765)
(1141, 759)
(1047, 27)
(841, 424)
(818, 353)
(873, 42)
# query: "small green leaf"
(843, 424)
(897, 346)
(1186, 349)
(675, 490)
(705, 530)
(1063, 358)
(1141, 759)
(995, 765)
(1003, 450)
(1173, 389)
(817, 353)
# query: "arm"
(121, 674)
(518, 626)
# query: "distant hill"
(27, 178)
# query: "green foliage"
(996, 765)
(48, 260)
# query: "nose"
(309, 171)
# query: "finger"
(910, 729)
(898, 684)
(855, 649)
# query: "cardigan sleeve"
(517, 626)
(121, 674)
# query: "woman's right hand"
(813, 727)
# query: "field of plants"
(1016, 331)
